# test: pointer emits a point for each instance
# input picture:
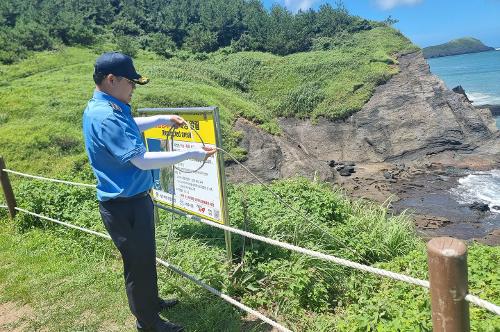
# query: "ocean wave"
(481, 187)
(479, 98)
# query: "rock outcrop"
(460, 90)
(412, 119)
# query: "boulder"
(478, 206)
(345, 172)
(458, 89)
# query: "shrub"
(33, 36)
(161, 44)
(127, 45)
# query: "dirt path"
(13, 316)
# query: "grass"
(303, 293)
(70, 286)
(76, 284)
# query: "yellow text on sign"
(202, 123)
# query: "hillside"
(44, 96)
(456, 47)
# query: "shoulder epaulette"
(115, 107)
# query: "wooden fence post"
(447, 259)
(7, 190)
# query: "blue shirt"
(112, 139)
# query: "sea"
(479, 75)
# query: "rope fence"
(385, 273)
(174, 269)
(316, 254)
(49, 179)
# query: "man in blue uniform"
(122, 167)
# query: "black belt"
(139, 195)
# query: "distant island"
(455, 47)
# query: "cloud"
(389, 4)
(295, 5)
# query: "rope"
(423, 283)
(106, 236)
(176, 270)
(396, 276)
(385, 273)
(224, 296)
(299, 213)
(49, 179)
(315, 254)
(483, 304)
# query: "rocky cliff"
(412, 119)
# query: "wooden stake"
(447, 259)
(7, 190)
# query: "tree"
(161, 44)
(201, 40)
(33, 36)
(127, 45)
(390, 21)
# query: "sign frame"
(144, 111)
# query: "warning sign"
(191, 186)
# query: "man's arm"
(155, 160)
(145, 123)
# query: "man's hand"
(209, 151)
(177, 121)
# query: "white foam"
(498, 48)
(481, 187)
(479, 98)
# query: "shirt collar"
(99, 95)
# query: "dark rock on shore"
(345, 172)
(346, 169)
(479, 206)
(460, 90)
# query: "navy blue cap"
(118, 64)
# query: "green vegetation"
(164, 26)
(305, 294)
(455, 47)
(43, 96)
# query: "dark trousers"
(130, 223)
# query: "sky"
(425, 22)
